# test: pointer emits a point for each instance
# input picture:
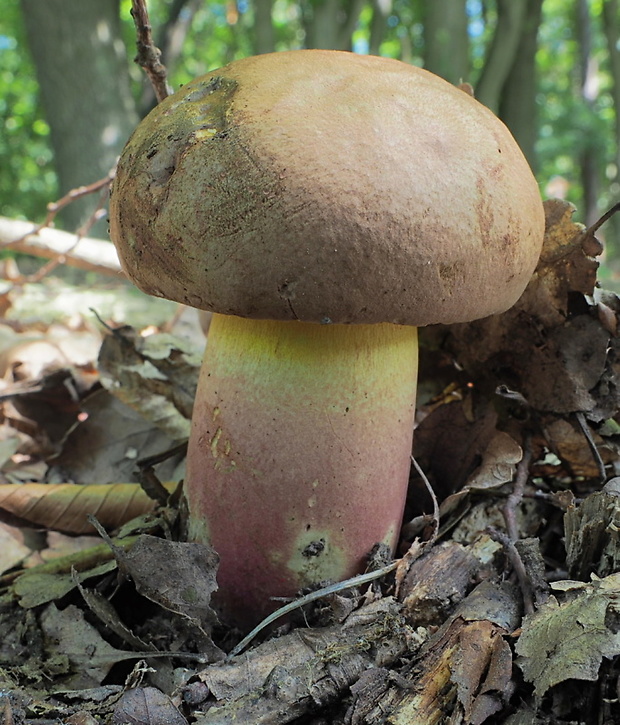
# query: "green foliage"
(28, 180)
(571, 125)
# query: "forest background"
(70, 94)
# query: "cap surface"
(327, 186)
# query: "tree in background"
(81, 67)
(549, 68)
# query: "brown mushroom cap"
(327, 186)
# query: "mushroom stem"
(299, 453)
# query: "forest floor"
(504, 603)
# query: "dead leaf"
(74, 647)
(554, 359)
(146, 706)
(107, 614)
(499, 462)
(180, 577)
(13, 550)
(482, 671)
(567, 441)
(51, 402)
(569, 640)
(449, 442)
(34, 586)
(155, 375)
(65, 506)
(106, 446)
(38, 587)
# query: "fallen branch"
(94, 255)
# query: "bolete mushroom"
(323, 205)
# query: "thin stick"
(519, 567)
(148, 54)
(429, 488)
(312, 597)
(591, 230)
(509, 509)
(585, 429)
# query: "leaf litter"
(518, 433)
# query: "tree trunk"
(611, 20)
(518, 98)
(446, 42)
(502, 51)
(378, 24)
(330, 23)
(588, 153)
(264, 38)
(82, 70)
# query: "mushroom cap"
(327, 186)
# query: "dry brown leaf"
(551, 347)
(106, 446)
(75, 646)
(65, 506)
(569, 640)
(482, 671)
(499, 462)
(178, 576)
(146, 706)
(13, 549)
(156, 376)
(568, 442)
(449, 442)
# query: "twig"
(585, 429)
(429, 488)
(312, 597)
(591, 230)
(96, 255)
(509, 511)
(101, 185)
(58, 258)
(516, 496)
(518, 566)
(148, 54)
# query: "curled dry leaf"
(567, 441)
(551, 345)
(498, 463)
(178, 576)
(65, 506)
(569, 640)
(155, 375)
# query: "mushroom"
(323, 205)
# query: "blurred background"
(70, 93)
